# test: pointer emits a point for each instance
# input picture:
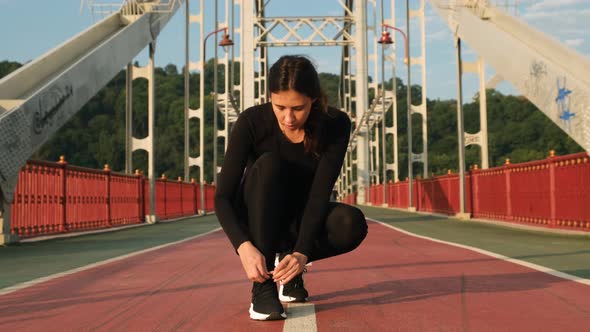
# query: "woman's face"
(291, 109)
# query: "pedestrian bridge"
(496, 248)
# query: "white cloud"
(574, 42)
(564, 24)
(440, 35)
(575, 31)
(557, 15)
(553, 4)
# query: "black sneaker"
(265, 302)
(294, 290)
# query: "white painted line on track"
(300, 317)
(494, 255)
(33, 282)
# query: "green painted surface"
(565, 253)
(27, 261)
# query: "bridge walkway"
(413, 272)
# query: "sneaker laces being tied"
(296, 282)
(262, 289)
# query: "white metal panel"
(552, 76)
(56, 85)
(361, 82)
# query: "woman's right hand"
(253, 262)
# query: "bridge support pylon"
(6, 236)
(147, 143)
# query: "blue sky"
(29, 28)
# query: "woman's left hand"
(290, 266)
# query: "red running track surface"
(392, 281)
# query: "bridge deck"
(394, 281)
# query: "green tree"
(96, 134)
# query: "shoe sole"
(289, 299)
(259, 316)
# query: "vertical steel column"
(383, 116)
(249, 14)
(198, 113)
(261, 59)
(346, 100)
(393, 128)
(146, 143)
(351, 180)
(421, 108)
(423, 105)
(371, 172)
(186, 73)
(483, 115)
(129, 119)
(201, 111)
(5, 232)
(215, 102)
(151, 217)
(343, 104)
(460, 130)
(349, 98)
(225, 104)
(481, 137)
(248, 49)
(360, 13)
(373, 121)
(237, 31)
(354, 150)
(227, 83)
(409, 115)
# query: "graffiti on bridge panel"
(49, 105)
(537, 73)
(563, 101)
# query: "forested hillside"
(95, 136)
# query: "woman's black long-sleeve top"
(312, 179)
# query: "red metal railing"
(86, 199)
(209, 197)
(350, 199)
(125, 205)
(56, 198)
(38, 205)
(551, 193)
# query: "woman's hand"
(289, 267)
(253, 262)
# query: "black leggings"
(271, 231)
